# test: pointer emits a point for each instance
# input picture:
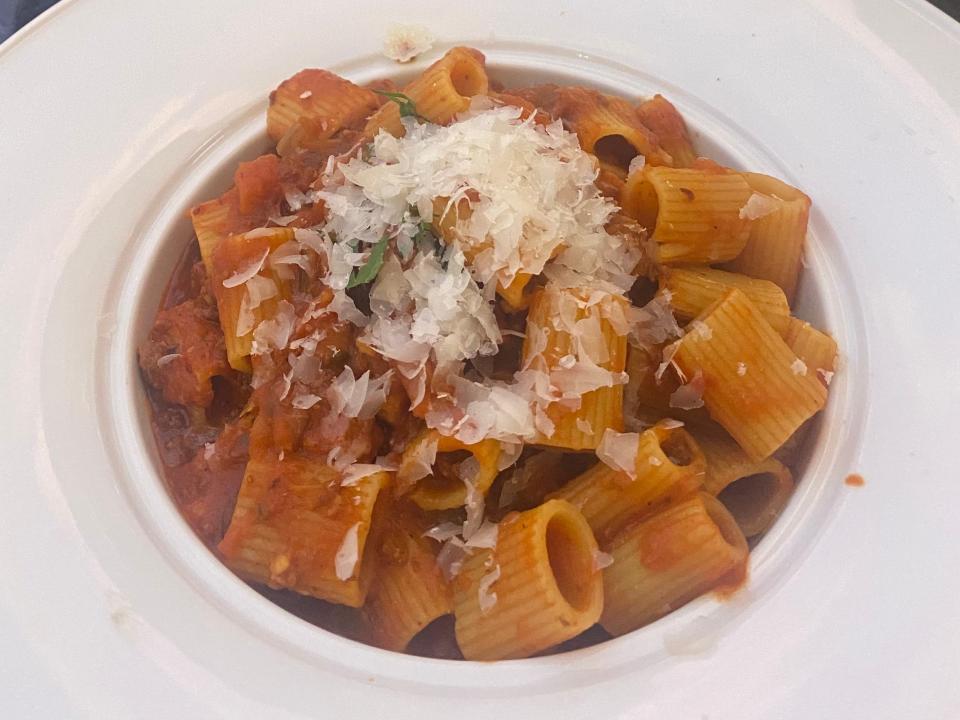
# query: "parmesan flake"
(348, 556)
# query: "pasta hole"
(754, 501)
(676, 446)
(647, 205)
(436, 640)
(446, 476)
(725, 522)
(466, 79)
(571, 560)
(615, 149)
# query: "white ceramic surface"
(115, 117)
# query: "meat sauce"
(204, 450)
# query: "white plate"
(115, 116)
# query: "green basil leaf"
(407, 107)
(367, 273)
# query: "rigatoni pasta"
(754, 492)
(666, 465)
(568, 328)
(245, 305)
(660, 116)
(694, 214)
(665, 561)
(443, 90)
(463, 370)
(755, 386)
(541, 573)
(775, 246)
(692, 289)
(278, 536)
(409, 591)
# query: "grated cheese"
(619, 451)
(403, 43)
(758, 206)
(348, 554)
(485, 596)
(601, 560)
(356, 472)
(246, 273)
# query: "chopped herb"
(407, 106)
(367, 273)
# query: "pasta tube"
(609, 127)
(244, 305)
(755, 493)
(693, 289)
(669, 559)
(408, 590)
(754, 385)
(535, 589)
(316, 104)
(775, 245)
(294, 527)
(660, 116)
(443, 90)
(570, 331)
(668, 466)
(443, 487)
(816, 349)
(695, 214)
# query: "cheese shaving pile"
(524, 202)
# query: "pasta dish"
(480, 372)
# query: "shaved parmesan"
(619, 451)
(741, 369)
(305, 401)
(601, 560)
(245, 273)
(474, 506)
(758, 206)
(165, 360)
(450, 558)
(487, 598)
(701, 329)
(348, 554)
(274, 334)
(827, 375)
(404, 42)
(485, 536)
(418, 461)
(798, 367)
(444, 531)
(357, 472)
(358, 397)
(257, 290)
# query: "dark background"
(14, 14)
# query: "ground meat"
(206, 487)
(183, 351)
